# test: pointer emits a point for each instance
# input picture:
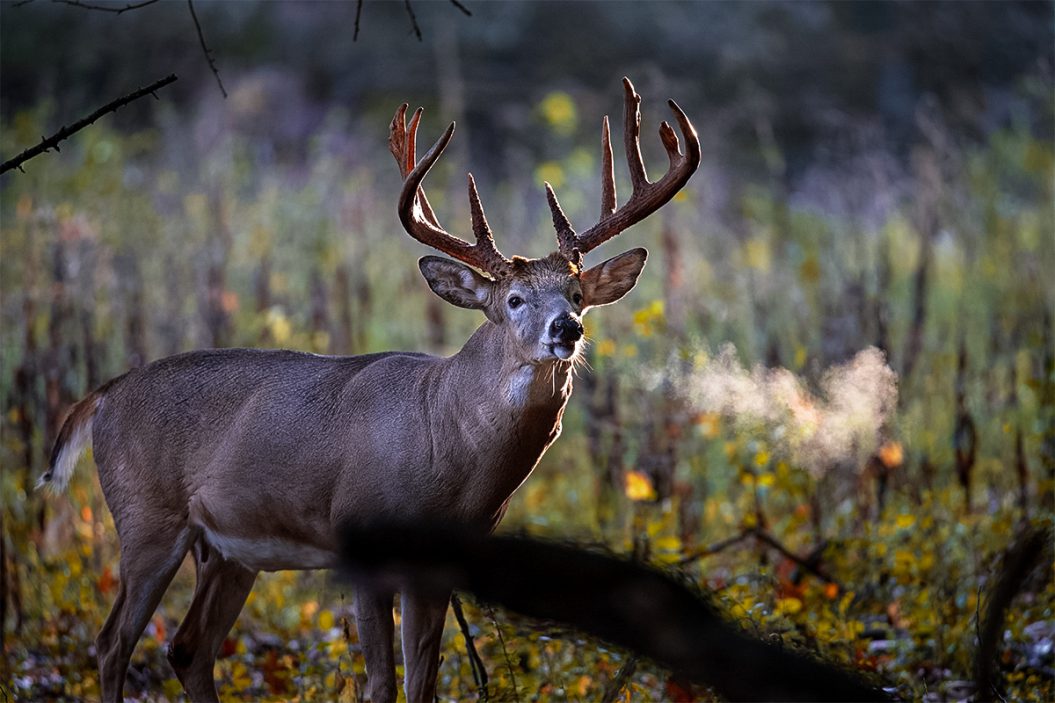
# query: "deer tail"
(74, 439)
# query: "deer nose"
(566, 328)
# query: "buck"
(250, 459)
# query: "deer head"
(540, 302)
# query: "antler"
(647, 197)
(417, 215)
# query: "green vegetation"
(113, 256)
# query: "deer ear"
(610, 280)
(456, 283)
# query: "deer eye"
(577, 298)
(515, 301)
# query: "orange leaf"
(159, 628)
(107, 581)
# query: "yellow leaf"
(278, 324)
(551, 172)
(325, 620)
(559, 112)
(667, 544)
(788, 606)
(639, 486)
(172, 689)
(905, 521)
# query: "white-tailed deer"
(250, 459)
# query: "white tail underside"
(58, 476)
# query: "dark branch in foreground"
(205, 48)
(52, 142)
(1019, 562)
(628, 604)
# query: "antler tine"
(607, 171)
(494, 262)
(416, 214)
(567, 242)
(647, 197)
(402, 142)
(632, 135)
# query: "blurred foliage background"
(876, 176)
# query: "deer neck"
(494, 373)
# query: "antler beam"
(417, 215)
(647, 197)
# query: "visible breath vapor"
(841, 422)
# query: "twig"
(52, 142)
(205, 48)
(622, 677)
(807, 563)
(20, 3)
(413, 19)
(505, 652)
(410, 13)
(475, 662)
(1021, 559)
(462, 7)
(106, 8)
(716, 547)
(358, 14)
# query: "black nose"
(566, 329)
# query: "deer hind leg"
(422, 633)
(373, 618)
(150, 556)
(219, 595)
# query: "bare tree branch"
(1032, 548)
(715, 548)
(475, 662)
(622, 677)
(505, 652)
(413, 19)
(106, 8)
(52, 142)
(809, 563)
(205, 48)
(358, 14)
(410, 13)
(462, 7)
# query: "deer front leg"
(373, 618)
(422, 633)
(219, 595)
